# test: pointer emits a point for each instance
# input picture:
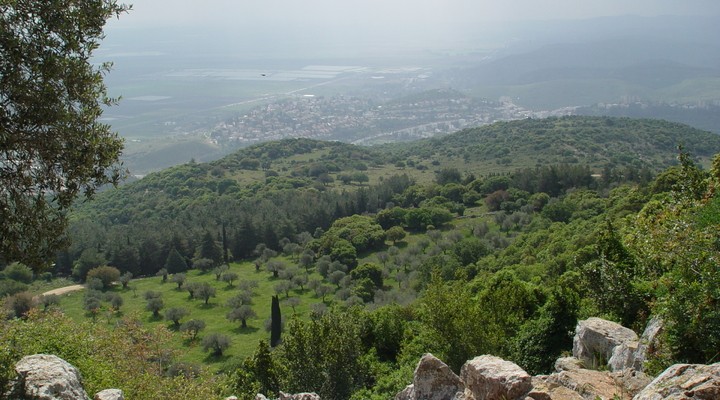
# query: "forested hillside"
(493, 240)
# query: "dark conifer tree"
(175, 262)
(275, 325)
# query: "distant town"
(365, 121)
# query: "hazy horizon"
(358, 27)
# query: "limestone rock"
(596, 339)
(488, 377)
(567, 364)
(433, 379)
(545, 390)
(649, 341)
(406, 394)
(47, 377)
(628, 355)
(109, 394)
(589, 384)
(298, 396)
(684, 382)
(633, 381)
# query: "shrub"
(106, 274)
(216, 343)
(18, 272)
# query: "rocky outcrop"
(432, 380)
(46, 377)
(286, 396)
(298, 396)
(489, 377)
(598, 343)
(684, 382)
(109, 394)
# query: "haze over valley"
(196, 86)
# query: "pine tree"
(175, 262)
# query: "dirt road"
(64, 290)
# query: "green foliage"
(275, 322)
(175, 262)
(53, 146)
(332, 366)
(216, 343)
(20, 304)
(175, 314)
(119, 357)
(107, 275)
(395, 234)
(18, 272)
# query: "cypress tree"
(275, 322)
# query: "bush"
(20, 304)
(216, 343)
(106, 274)
(18, 272)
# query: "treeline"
(635, 252)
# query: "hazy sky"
(400, 12)
(277, 24)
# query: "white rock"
(684, 381)
(47, 377)
(595, 342)
(488, 377)
(111, 394)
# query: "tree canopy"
(52, 147)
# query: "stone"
(544, 390)
(406, 394)
(567, 364)
(110, 394)
(589, 384)
(298, 396)
(259, 396)
(627, 355)
(633, 381)
(684, 382)
(47, 377)
(488, 377)
(649, 340)
(595, 342)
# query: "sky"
(401, 13)
(375, 23)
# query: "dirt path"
(64, 290)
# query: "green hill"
(476, 257)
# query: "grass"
(244, 341)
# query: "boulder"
(648, 341)
(259, 396)
(633, 381)
(567, 364)
(488, 377)
(684, 382)
(110, 394)
(588, 384)
(298, 396)
(47, 377)
(545, 390)
(432, 380)
(596, 340)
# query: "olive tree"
(52, 146)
